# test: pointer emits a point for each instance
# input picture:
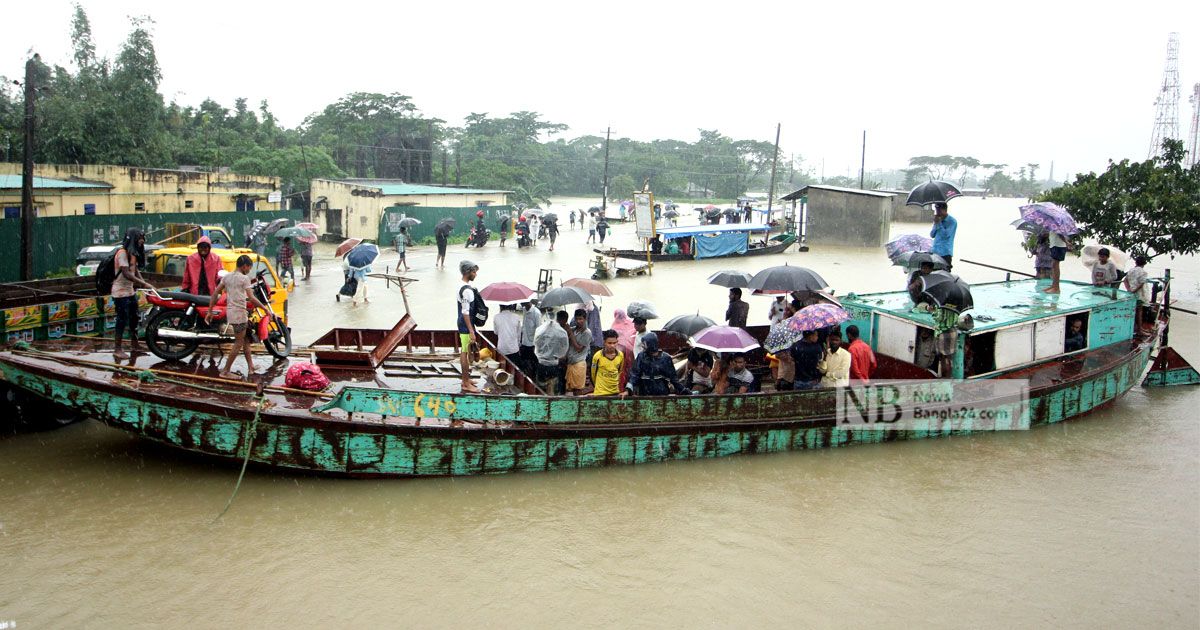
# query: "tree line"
(110, 111)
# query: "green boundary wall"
(57, 240)
(429, 216)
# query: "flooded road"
(1090, 523)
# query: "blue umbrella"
(362, 255)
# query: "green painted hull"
(539, 436)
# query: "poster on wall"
(643, 208)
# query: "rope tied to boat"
(247, 440)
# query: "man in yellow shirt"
(835, 366)
(607, 366)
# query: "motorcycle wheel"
(169, 349)
(279, 339)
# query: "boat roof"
(998, 304)
(694, 230)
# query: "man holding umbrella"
(944, 229)
(441, 234)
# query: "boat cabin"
(1015, 325)
(715, 241)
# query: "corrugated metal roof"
(14, 181)
(792, 196)
(421, 189)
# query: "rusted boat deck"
(197, 379)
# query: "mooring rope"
(147, 376)
(248, 439)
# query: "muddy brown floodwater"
(1090, 523)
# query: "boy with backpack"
(122, 276)
(471, 312)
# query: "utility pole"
(604, 199)
(27, 175)
(862, 166)
(457, 164)
(774, 165)
(444, 167)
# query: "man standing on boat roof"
(466, 324)
(944, 229)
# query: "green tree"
(621, 187)
(295, 166)
(1148, 208)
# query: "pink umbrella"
(506, 292)
(589, 285)
(311, 227)
(724, 339)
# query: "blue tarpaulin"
(714, 245)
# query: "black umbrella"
(562, 296)
(712, 213)
(942, 288)
(688, 325)
(594, 209)
(550, 217)
(932, 192)
(444, 227)
(731, 278)
(276, 225)
(255, 233)
(671, 213)
(787, 278)
(913, 260)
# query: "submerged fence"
(57, 240)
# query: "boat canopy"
(1003, 304)
(684, 231)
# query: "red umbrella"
(506, 292)
(346, 246)
(589, 285)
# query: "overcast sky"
(1014, 82)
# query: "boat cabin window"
(925, 349)
(1049, 335)
(979, 354)
(1076, 335)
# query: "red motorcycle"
(177, 327)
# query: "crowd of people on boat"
(569, 352)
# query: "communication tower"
(1166, 119)
(1194, 136)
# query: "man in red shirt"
(200, 271)
(862, 359)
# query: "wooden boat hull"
(635, 254)
(426, 436)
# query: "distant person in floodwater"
(602, 229)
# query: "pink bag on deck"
(305, 375)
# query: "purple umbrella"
(816, 317)
(724, 339)
(908, 243)
(1050, 217)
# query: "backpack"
(479, 309)
(106, 272)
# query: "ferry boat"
(394, 407)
